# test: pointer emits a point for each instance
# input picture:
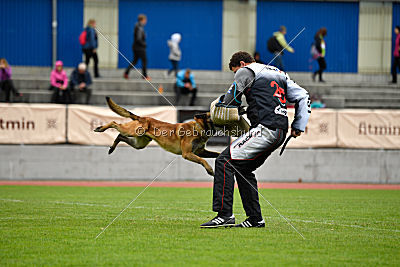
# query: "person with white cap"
(175, 53)
(80, 82)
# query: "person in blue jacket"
(185, 84)
(90, 47)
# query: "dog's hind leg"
(139, 142)
(116, 142)
(112, 124)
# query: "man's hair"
(282, 28)
(82, 66)
(240, 56)
(141, 17)
(90, 22)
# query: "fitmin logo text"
(369, 129)
(16, 124)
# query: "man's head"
(187, 73)
(82, 67)
(91, 23)
(397, 30)
(282, 29)
(239, 60)
(142, 18)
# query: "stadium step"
(122, 97)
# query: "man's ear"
(242, 63)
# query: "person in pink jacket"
(396, 55)
(59, 84)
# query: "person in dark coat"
(139, 47)
(80, 82)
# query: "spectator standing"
(90, 46)
(320, 45)
(139, 47)
(396, 54)
(276, 45)
(59, 84)
(6, 84)
(174, 52)
(80, 82)
(257, 58)
(185, 84)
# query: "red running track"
(204, 185)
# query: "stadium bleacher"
(342, 90)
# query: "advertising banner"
(320, 130)
(369, 129)
(32, 123)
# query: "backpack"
(273, 45)
(83, 37)
(314, 52)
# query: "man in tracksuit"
(267, 91)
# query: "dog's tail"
(120, 110)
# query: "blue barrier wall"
(199, 22)
(340, 19)
(70, 22)
(25, 30)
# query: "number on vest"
(279, 92)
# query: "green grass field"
(57, 226)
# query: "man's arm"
(139, 36)
(88, 79)
(244, 78)
(301, 98)
(192, 81)
(74, 78)
(91, 38)
(282, 41)
(179, 80)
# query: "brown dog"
(186, 139)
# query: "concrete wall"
(105, 12)
(239, 28)
(93, 163)
(375, 37)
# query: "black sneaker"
(247, 224)
(219, 221)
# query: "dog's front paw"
(210, 172)
(99, 129)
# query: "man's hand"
(295, 133)
(94, 51)
(82, 85)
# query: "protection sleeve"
(301, 98)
